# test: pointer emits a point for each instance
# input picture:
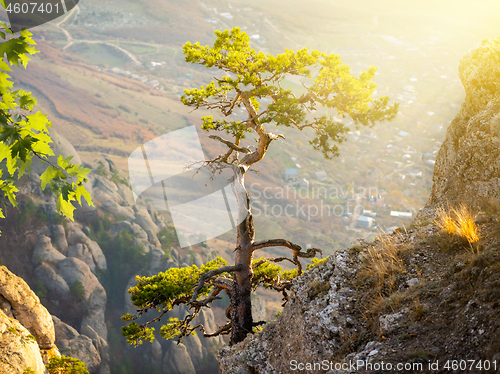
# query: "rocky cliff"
(27, 337)
(413, 298)
(65, 263)
(468, 164)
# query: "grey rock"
(60, 242)
(105, 188)
(51, 280)
(143, 219)
(177, 360)
(156, 352)
(44, 251)
(197, 260)
(63, 330)
(390, 322)
(97, 255)
(83, 349)
(194, 349)
(119, 226)
(93, 315)
(126, 194)
(81, 252)
(174, 253)
(117, 210)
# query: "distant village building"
(395, 213)
(291, 175)
(320, 175)
(365, 222)
(304, 183)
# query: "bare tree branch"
(212, 273)
(230, 145)
(311, 252)
(276, 243)
(276, 259)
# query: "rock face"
(88, 346)
(468, 164)
(27, 337)
(306, 331)
(27, 309)
(17, 351)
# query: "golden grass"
(459, 222)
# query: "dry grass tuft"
(459, 222)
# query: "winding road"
(72, 41)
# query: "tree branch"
(276, 259)
(311, 252)
(212, 273)
(230, 145)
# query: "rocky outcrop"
(18, 351)
(27, 309)
(468, 164)
(87, 346)
(27, 337)
(177, 360)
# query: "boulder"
(105, 190)
(143, 219)
(73, 270)
(77, 236)
(93, 315)
(194, 349)
(100, 344)
(81, 252)
(177, 360)
(117, 210)
(27, 309)
(51, 280)
(156, 260)
(63, 331)
(82, 348)
(126, 194)
(156, 353)
(59, 241)
(71, 343)
(44, 251)
(197, 260)
(18, 351)
(120, 226)
(97, 255)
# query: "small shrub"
(29, 211)
(66, 365)
(167, 237)
(41, 291)
(78, 290)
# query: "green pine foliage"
(258, 75)
(66, 365)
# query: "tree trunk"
(241, 304)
